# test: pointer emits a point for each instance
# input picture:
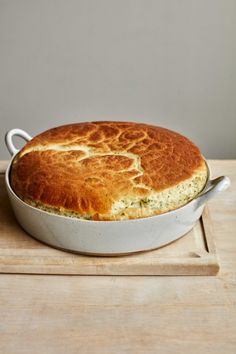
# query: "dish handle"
(213, 187)
(9, 139)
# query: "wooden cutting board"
(193, 254)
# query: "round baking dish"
(107, 238)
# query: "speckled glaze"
(107, 237)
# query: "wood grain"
(20, 253)
(110, 314)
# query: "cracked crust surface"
(108, 170)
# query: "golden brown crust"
(86, 167)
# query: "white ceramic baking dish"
(107, 237)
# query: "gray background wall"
(171, 63)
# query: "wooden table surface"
(139, 314)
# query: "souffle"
(108, 171)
